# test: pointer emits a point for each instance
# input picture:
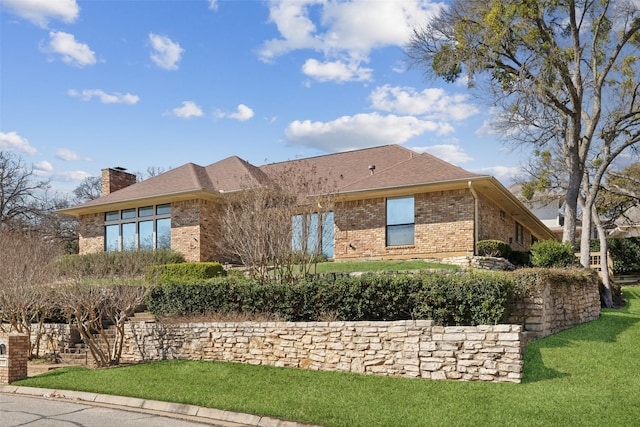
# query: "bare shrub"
(275, 229)
(92, 309)
(25, 283)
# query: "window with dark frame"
(147, 227)
(400, 221)
(519, 233)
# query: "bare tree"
(276, 229)
(19, 190)
(25, 282)
(90, 188)
(92, 309)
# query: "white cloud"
(244, 113)
(43, 166)
(166, 53)
(69, 155)
(356, 26)
(337, 71)
(44, 169)
(451, 153)
(360, 131)
(72, 52)
(188, 110)
(433, 103)
(11, 141)
(505, 174)
(105, 98)
(346, 30)
(40, 12)
(213, 4)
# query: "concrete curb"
(210, 415)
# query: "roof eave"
(445, 185)
(77, 211)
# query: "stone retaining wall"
(555, 307)
(405, 348)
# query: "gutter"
(475, 216)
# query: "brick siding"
(443, 227)
(194, 229)
(91, 233)
(494, 223)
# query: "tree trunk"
(571, 204)
(606, 297)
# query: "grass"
(351, 266)
(585, 376)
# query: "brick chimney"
(114, 179)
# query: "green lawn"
(586, 376)
(351, 266)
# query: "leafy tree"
(563, 74)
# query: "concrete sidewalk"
(199, 414)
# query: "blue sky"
(158, 83)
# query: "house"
(628, 225)
(390, 203)
(547, 206)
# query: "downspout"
(475, 216)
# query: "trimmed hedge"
(448, 299)
(186, 272)
(493, 248)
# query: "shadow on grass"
(606, 329)
(534, 368)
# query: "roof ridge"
(447, 163)
(338, 154)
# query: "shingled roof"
(376, 168)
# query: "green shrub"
(113, 264)
(493, 248)
(472, 299)
(520, 258)
(625, 254)
(551, 253)
(449, 299)
(185, 272)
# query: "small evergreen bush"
(520, 258)
(551, 253)
(185, 272)
(493, 248)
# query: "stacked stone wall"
(400, 348)
(554, 307)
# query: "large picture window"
(148, 227)
(400, 221)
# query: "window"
(311, 235)
(519, 233)
(131, 229)
(400, 221)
